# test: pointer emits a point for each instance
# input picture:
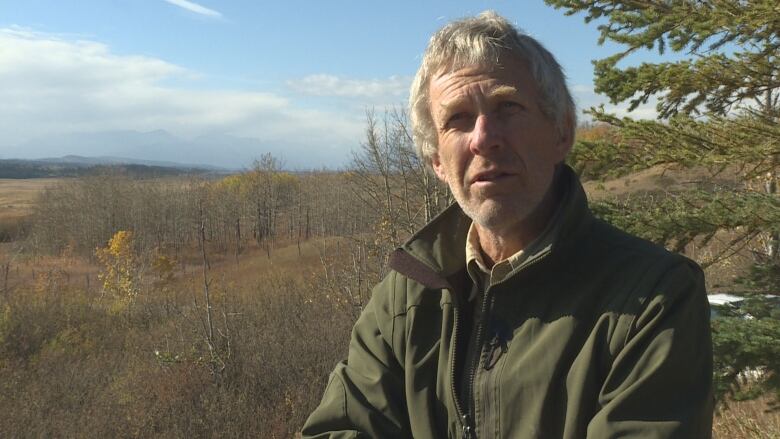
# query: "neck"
(499, 243)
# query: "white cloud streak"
(194, 7)
(329, 85)
(56, 86)
(585, 97)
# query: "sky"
(222, 83)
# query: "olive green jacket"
(597, 334)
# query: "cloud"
(585, 97)
(194, 7)
(55, 86)
(396, 87)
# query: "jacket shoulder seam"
(660, 267)
(404, 263)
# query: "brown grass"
(75, 363)
(659, 178)
(747, 420)
(17, 196)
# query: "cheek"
(542, 149)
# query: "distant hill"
(104, 160)
(217, 149)
(75, 166)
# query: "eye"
(509, 107)
(456, 117)
(457, 120)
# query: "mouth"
(488, 177)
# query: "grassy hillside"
(80, 361)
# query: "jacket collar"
(436, 254)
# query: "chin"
(495, 215)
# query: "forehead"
(509, 73)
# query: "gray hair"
(484, 39)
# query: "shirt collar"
(479, 272)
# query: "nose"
(486, 135)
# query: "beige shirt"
(480, 274)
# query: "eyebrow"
(500, 91)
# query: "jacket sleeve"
(660, 381)
(365, 394)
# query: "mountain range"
(161, 148)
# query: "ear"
(566, 138)
(438, 168)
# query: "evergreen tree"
(718, 110)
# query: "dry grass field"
(657, 178)
(144, 372)
(17, 196)
(79, 362)
(747, 420)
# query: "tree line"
(381, 198)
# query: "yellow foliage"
(383, 232)
(119, 273)
(285, 179)
(119, 305)
(49, 281)
(236, 185)
(163, 267)
(596, 132)
(231, 181)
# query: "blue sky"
(294, 78)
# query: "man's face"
(497, 150)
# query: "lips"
(490, 176)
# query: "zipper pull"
(496, 348)
(468, 431)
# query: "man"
(515, 313)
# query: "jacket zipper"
(468, 428)
(468, 431)
(465, 422)
(474, 364)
